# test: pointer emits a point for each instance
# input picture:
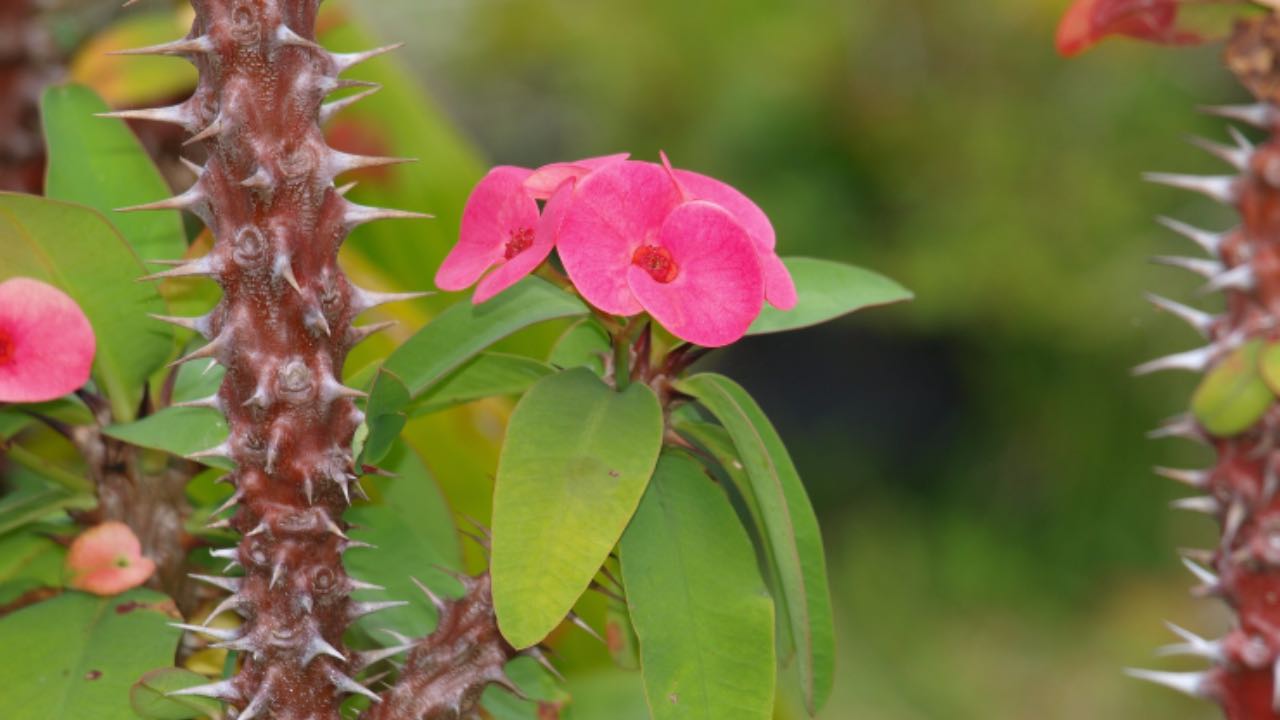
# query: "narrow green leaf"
(76, 249)
(1235, 393)
(180, 431)
(412, 528)
(828, 290)
(575, 463)
(150, 700)
(99, 162)
(790, 524)
(715, 440)
(703, 616)
(487, 375)
(27, 506)
(76, 656)
(461, 332)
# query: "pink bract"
(499, 228)
(614, 211)
(702, 278)
(46, 342)
(544, 181)
(780, 289)
(107, 559)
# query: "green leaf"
(584, 344)
(413, 529)
(703, 616)
(28, 559)
(543, 691)
(827, 290)
(26, 506)
(77, 655)
(1234, 395)
(180, 431)
(791, 527)
(575, 463)
(461, 332)
(384, 416)
(487, 375)
(99, 162)
(135, 80)
(77, 250)
(150, 700)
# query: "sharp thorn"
(1210, 242)
(1217, 187)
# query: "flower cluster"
(693, 252)
(1088, 22)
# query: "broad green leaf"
(98, 162)
(607, 694)
(575, 463)
(76, 249)
(412, 527)
(384, 416)
(76, 656)
(620, 636)
(701, 612)
(715, 441)
(791, 527)
(584, 344)
(827, 290)
(150, 700)
(464, 330)
(488, 374)
(135, 80)
(180, 431)
(1234, 395)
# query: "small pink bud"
(544, 181)
(46, 342)
(107, 560)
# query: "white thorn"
(217, 633)
(231, 585)
(174, 115)
(362, 300)
(1193, 360)
(346, 61)
(1202, 267)
(357, 584)
(1181, 426)
(200, 324)
(1198, 319)
(1189, 683)
(319, 646)
(254, 707)
(346, 684)
(282, 267)
(214, 129)
(199, 267)
(435, 599)
(1236, 514)
(218, 451)
(191, 167)
(360, 609)
(1205, 577)
(1216, 187)
(1259, 115)
(1210, 242)
(260, 180)
(221, 690)
(1193, 645)
(340, 162)
(213, 402)
(577, 620)
(369, 657)
(354, 215)
(329, 109)
(1206, 504)
(1240, 278)
(277, 574)
(1198, 479)
(192, 200)
(184, 47)
(1233, 155)
(286, 36)
(231, 602)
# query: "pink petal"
(497, 207)
(613, 211)
(511, 271)
(779, 288)
(544, 181)
(719, 286)
(46, 342)
(107, 560)
(751, 217)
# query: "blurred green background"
(998, 545)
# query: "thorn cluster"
(1240, 488)
(282, 331)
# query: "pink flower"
(501, 229)
(779, 289)
(46, 342)
(544, 181)
(630, 241)
(107, 560)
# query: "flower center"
(656, 261)
(6, 348)
(521, 240)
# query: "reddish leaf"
(1090, 21)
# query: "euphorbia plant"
(1233, 411)
(621, 470)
